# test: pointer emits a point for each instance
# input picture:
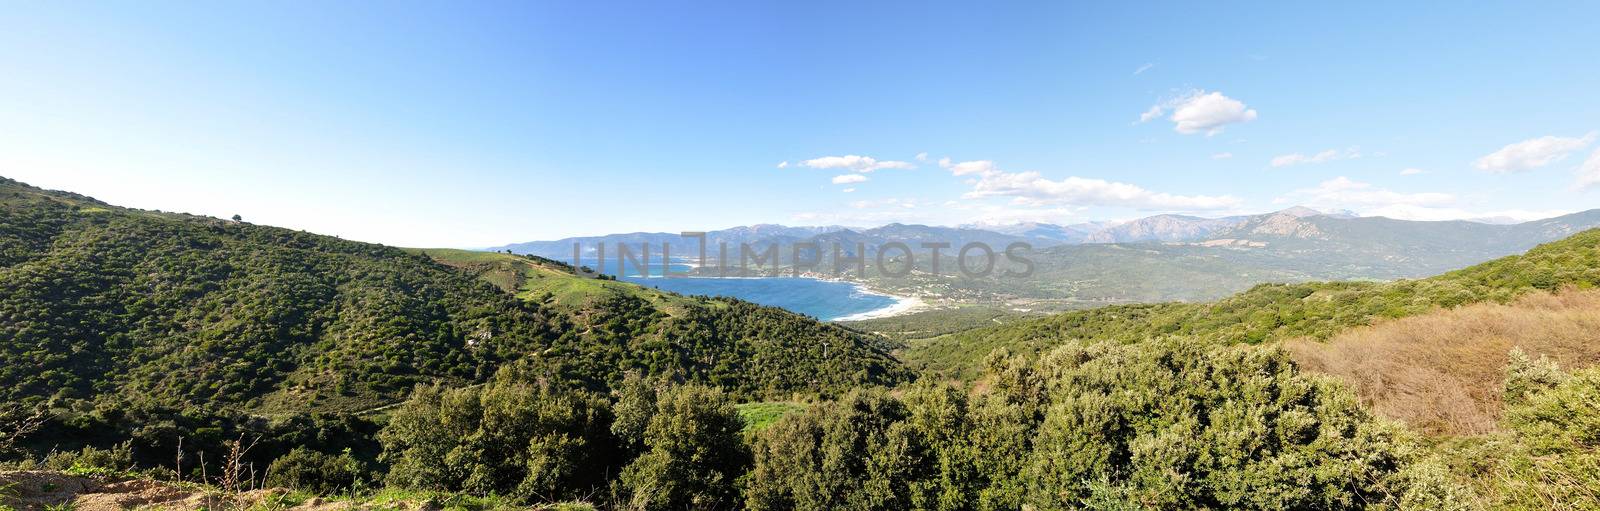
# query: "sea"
(822, 299)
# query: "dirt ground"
(42, 490)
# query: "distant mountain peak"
(1299, 212)
(1162, 228)
(1303, 212)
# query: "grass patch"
(550, 283)
(393, 498)
(758, 416)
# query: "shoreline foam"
(901, 305)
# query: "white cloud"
(967, 167)
(784, 164)
(1030, 188)
(1368, 200)
(1589, 172)
(848, 190)
(1344, 193)
(1221, 156)
(1201, 112)
(855, 163)
(1412, 171)
(1322, 157)
(1533, 153)
(994, 215)
(1154, 112)
(848, 179)
(922, 156)
(871, 213)
(1143, 68)
(1421, 213)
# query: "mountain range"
(1157, 228)
(1156, 258)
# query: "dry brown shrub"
(1442, 372)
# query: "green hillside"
(1274, 311)
(551, 282)
(101, 300)
(147, 340)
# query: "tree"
(533, 443)
(238, 218)
(1178, 424)
(635, 404)
(824, 458)
(694, 453)
(1161, 424)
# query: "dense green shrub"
(1161, 424)
(1179, 424)
(1549, 457)
(535, 443)
(694, 452)
(94, 460)
(316, 472)
(1527, 376)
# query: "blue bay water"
(821, 299)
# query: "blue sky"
(476, 124)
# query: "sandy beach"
(901, 305)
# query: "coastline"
(901, 305)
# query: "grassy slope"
(937, 322)
(1275, 311)
(550, 282)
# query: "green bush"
(91, 460)
(694, 452)
(1162, 424)
(1549, 457)
(533, 443)
(316, 472)
(1526, 376)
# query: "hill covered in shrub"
(105, 301)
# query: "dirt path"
(30, 490)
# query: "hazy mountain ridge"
(1168, 257)
(733, 236)
(1162, 228)
(1294, 222)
